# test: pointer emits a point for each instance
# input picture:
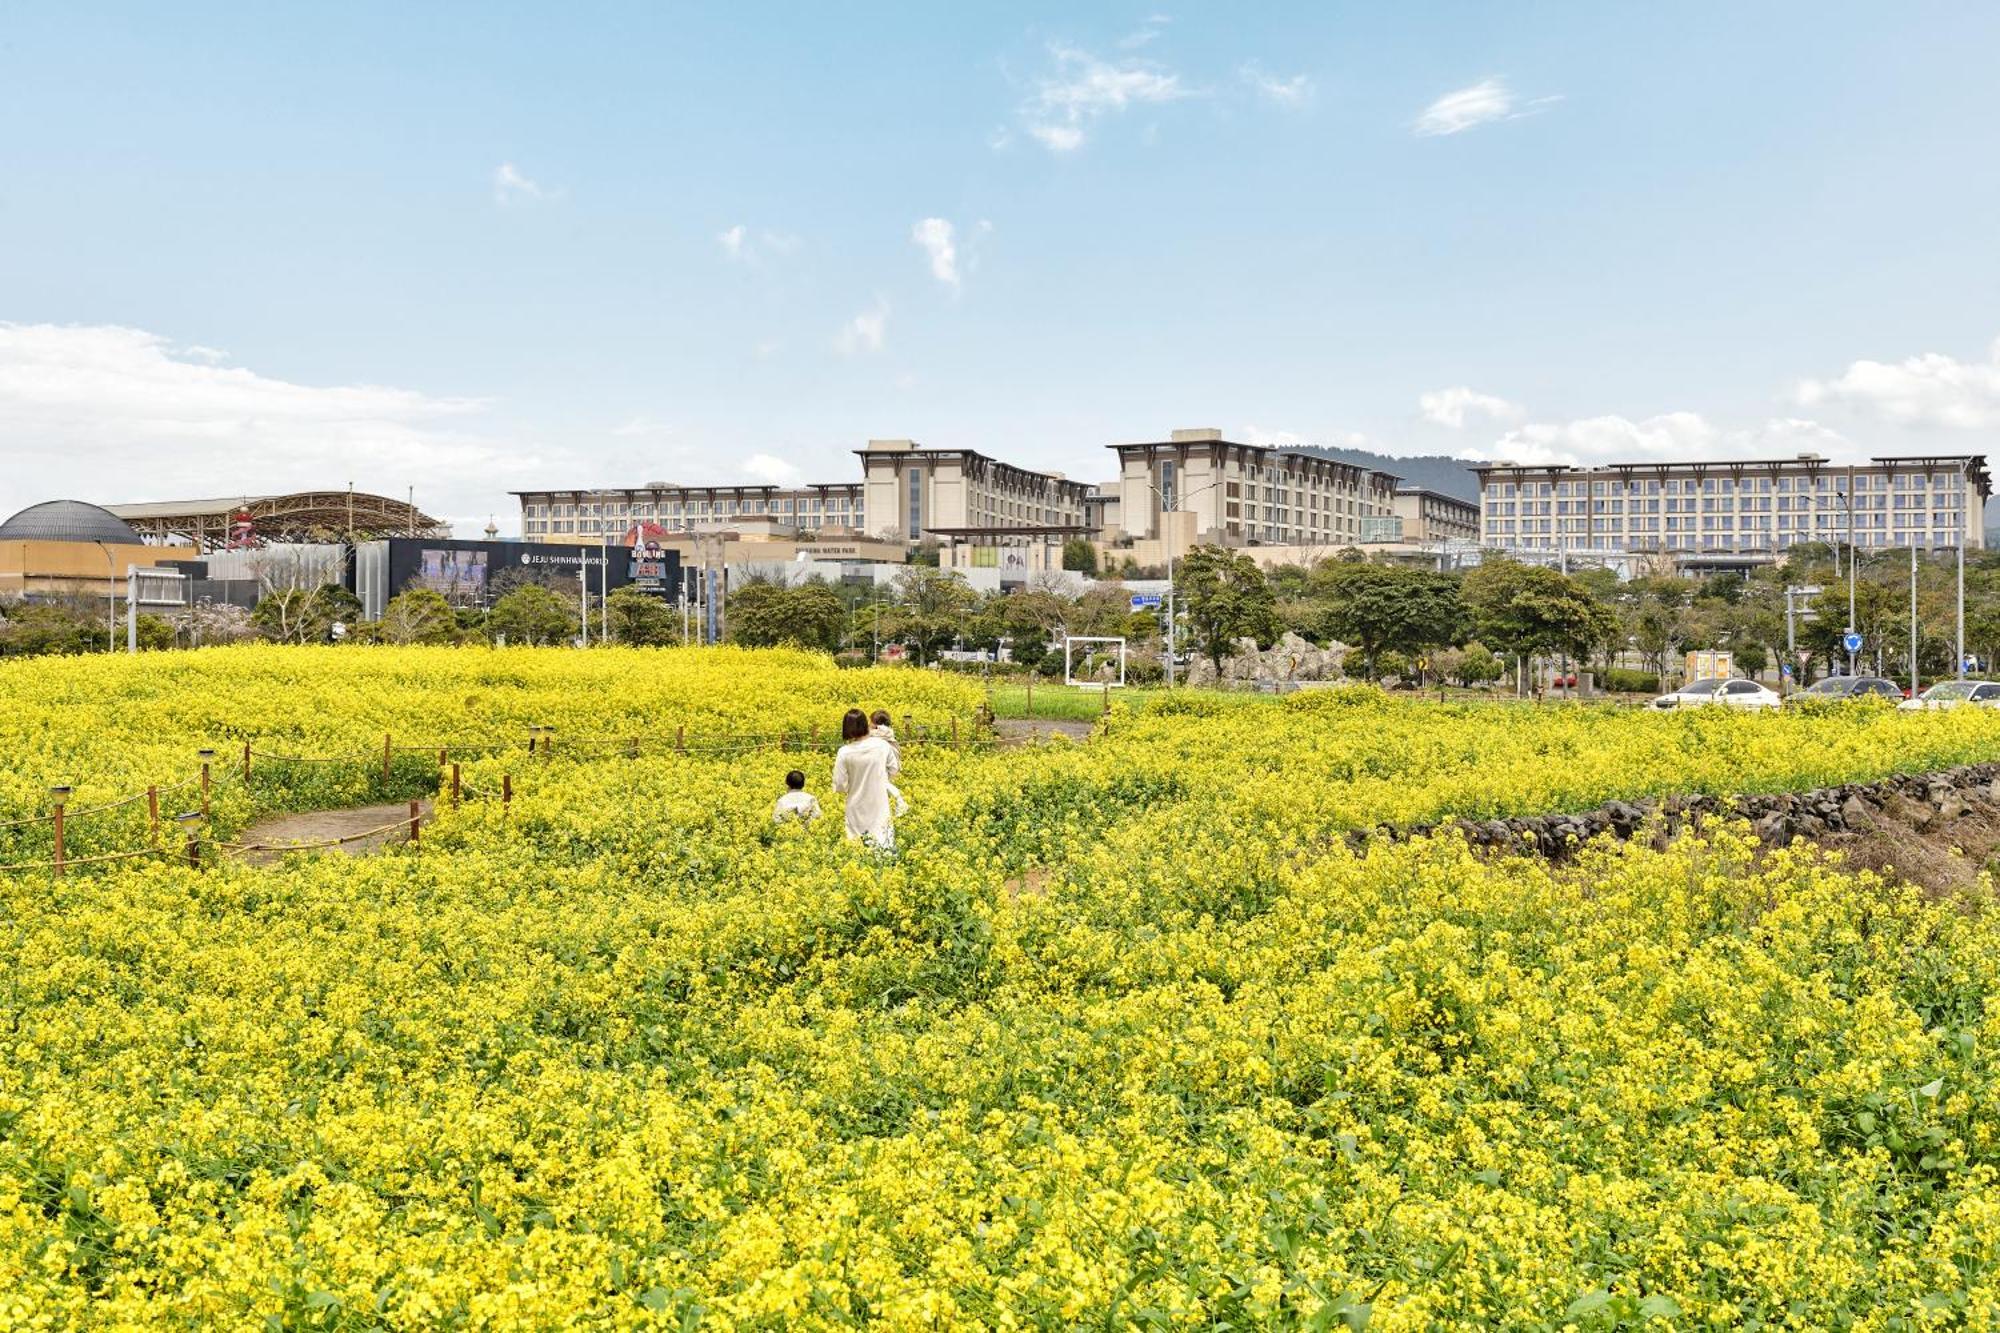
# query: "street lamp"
(1168, 542)
(110, 597)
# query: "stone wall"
(1924, 802)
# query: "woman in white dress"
(862, 770)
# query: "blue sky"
(470, 248)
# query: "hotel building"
(1750, 510)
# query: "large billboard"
(475, 573)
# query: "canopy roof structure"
(301, 516)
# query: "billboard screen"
(460, 575)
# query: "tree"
(756, 614)
(154, 633)
(765, 614)
(419, 615)
(36, 629)
(640, 618)
(1390, 608)
(817, 616)
(305, 615)
(1226, 599)
(1529, 609)
(532, 615)
(930, 610)
(1080, 554)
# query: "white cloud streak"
(1483, 103)
(1927, 390)
(937, 239)
(511, 187)
(865, 332)
(1294, 92)
(1082, 88)
(1455, 406)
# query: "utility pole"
(583, 596)
(1913, 617)
(1853, 561)
(1166, 540)
(1961, 598)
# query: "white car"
(1952, 693)
(1728, 693)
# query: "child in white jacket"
(882, 729)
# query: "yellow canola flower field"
(1124, 1035)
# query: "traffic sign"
(1851, 641)
(1786, 671)
(1145, 601)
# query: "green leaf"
(1866, 1122)
(1659, 1306)
(1588, 1303)
(657, 1300)
(320, 1300)
(1932, 1088)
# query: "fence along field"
(1125, 1034)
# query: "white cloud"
(740, 246)
(1671, 436)
(1057, 138)
(196, 352)
(510, 186)
(1481, 104)
(936, 237)
(771, 469)
(1454, 406)
(1927, 390)
(864, 333)
(1082, 88)
(641, 428)
(156, 423)
(1293, 92)
(1146, 33)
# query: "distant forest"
(1434, 472)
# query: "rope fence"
(451, 787)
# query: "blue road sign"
(1785, 671)
(1851, 641)
(1145, 601)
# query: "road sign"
(1786, 671)
(1145, 601)
(1851, 641)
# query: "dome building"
(68, 548)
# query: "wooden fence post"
(416, 818)
(153, 814)
(194, 850)
(954, 731)
(246, 763)
(388, 752)
(454, 784)
(681, 738)
(1031, 694)
(443, 758)
(61, 795)
(206, 756)
(506, 792)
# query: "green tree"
(641, 619)
(154, 634)
(1226, 598)
(1529, 609)
(532, 615)
(1080, 554)
(765, 614)
(35, 629)
(419, 615)
(817, 615)
(1391, 608)
(756, 614)
(930, 610)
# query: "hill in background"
(1434, 472)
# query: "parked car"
(1836, 689)
(1952, 693)
(1717, 690)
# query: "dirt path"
(320, 825)
(1021, 730)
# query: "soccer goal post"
(1071, 642)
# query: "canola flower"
(1125, 1035)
